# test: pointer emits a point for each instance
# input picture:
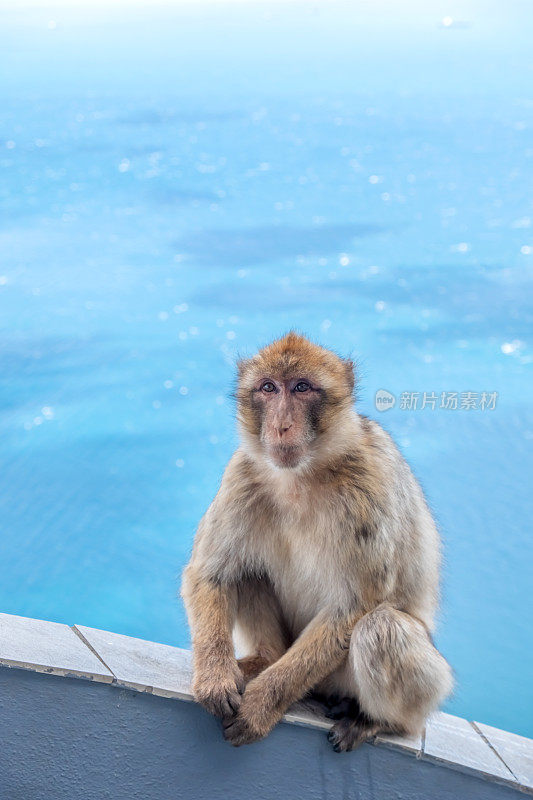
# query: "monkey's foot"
(340, 707)
(348, 733)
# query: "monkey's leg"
(400, 677)
(321, 647)
(218, 681)
(260, 631)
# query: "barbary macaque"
(318, 558)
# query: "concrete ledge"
(47, 647)
(141, 665)
(492, 763)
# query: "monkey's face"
(288, 412)
(289, 396)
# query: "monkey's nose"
(284, 428)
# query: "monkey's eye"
(268, 386)
(302, 386)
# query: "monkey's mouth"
(286, 455)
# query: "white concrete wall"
(69, 738)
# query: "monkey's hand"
(256, 716)
(219, 688)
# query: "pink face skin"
(289, 411)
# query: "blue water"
(182, 183)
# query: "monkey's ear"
(349, 368)
(242, 366)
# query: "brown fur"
(319, 555)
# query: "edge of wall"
(123, 661)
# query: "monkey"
(318, 560)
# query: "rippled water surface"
(181, 183)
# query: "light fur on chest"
(304, 555)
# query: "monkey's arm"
(218, 681)
(319, 650)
